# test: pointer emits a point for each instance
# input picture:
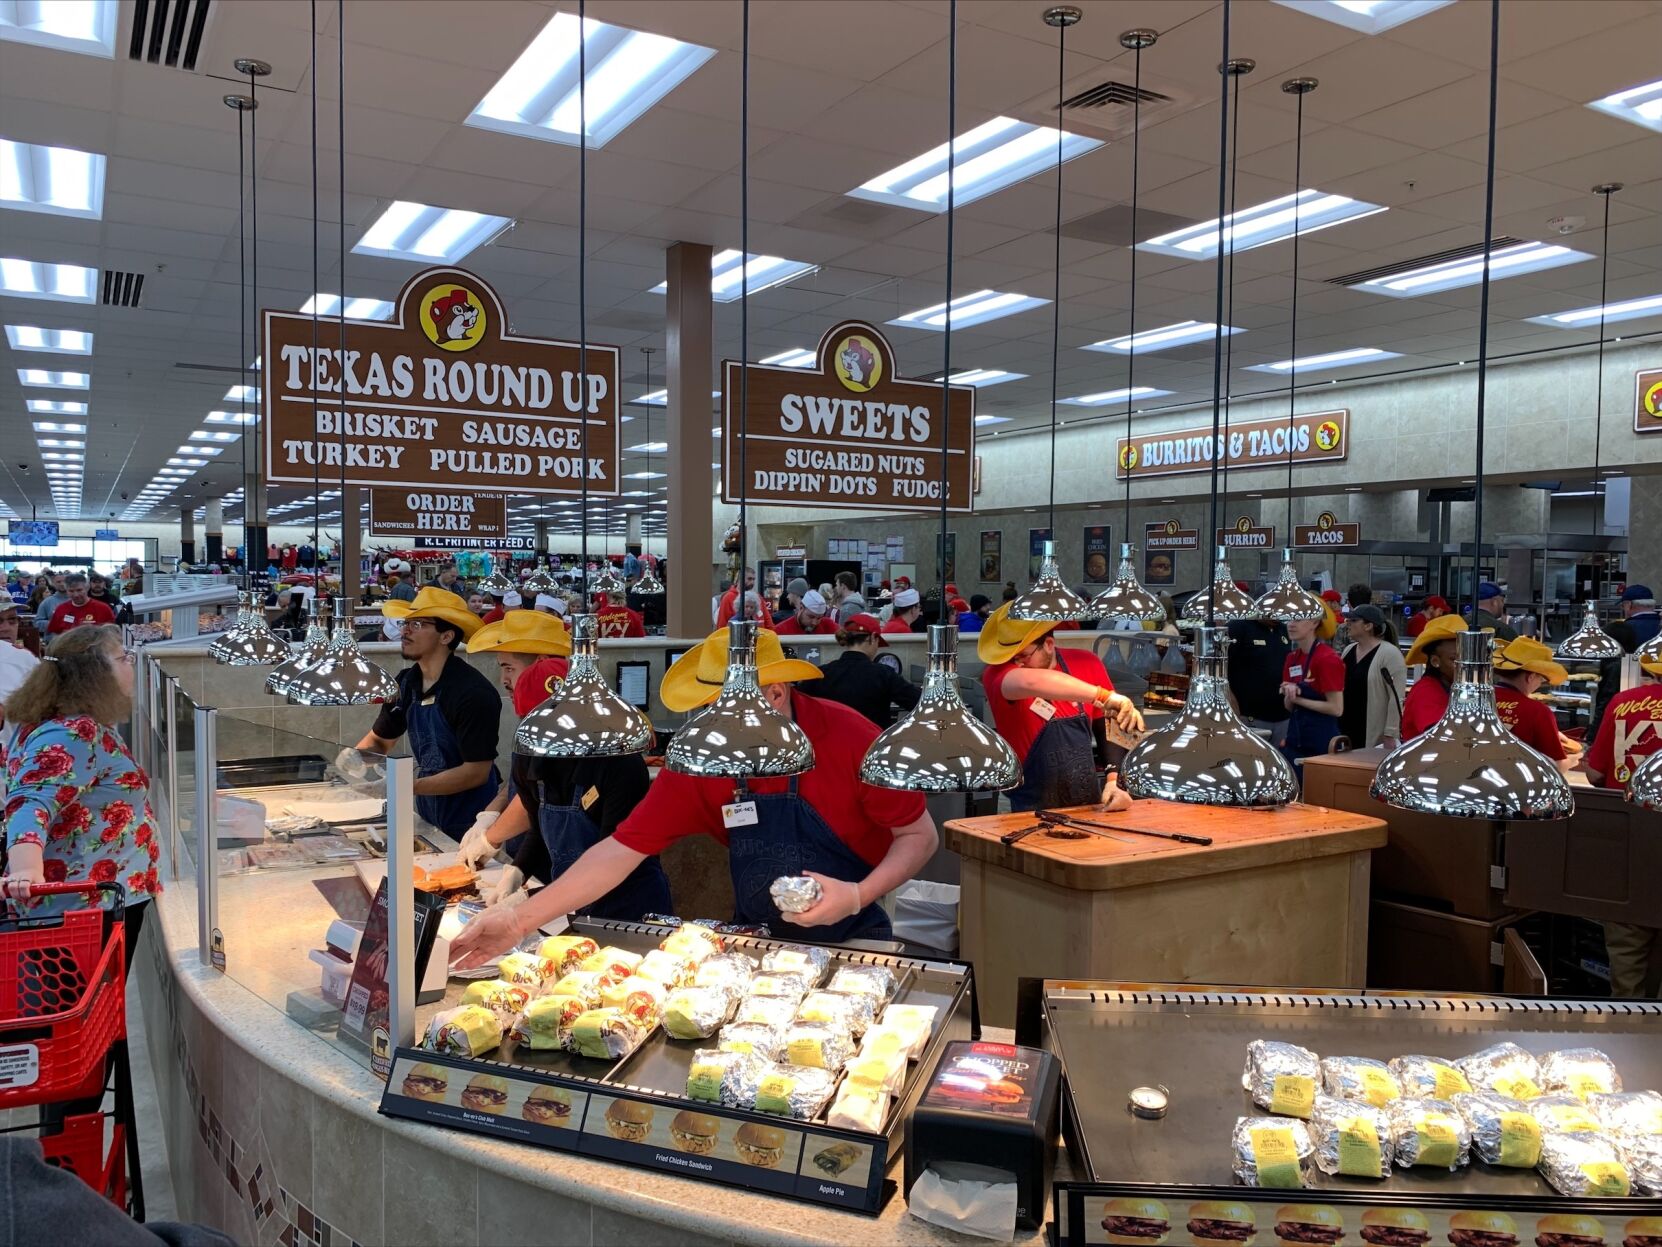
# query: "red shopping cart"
(63, 1039)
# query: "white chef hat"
(512, 600)
(813, 603)
(547, 601)
(906, 598)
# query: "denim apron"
(435, 749)
(1059, 769)
(1308, 732)
(568, 832)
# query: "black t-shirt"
(1353, 722)
(872, 688)
(1258, 652)
(618, 785)
(469, 702)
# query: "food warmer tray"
(655, 1074)
(273, 772)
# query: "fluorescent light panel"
(651, 448)
(764, 272)
(1627, 309)
(1162, 339)
(983, 421)
(58, 407)
(1116, 396)
(1527, 257)
(86, 26)
(356, 309)
(1642, 105)
(212, 435)
(660, 398)
(1261, 224)
(970, 309)
(1371, 17)
(1333, 359)
(35, 279)
(628, 71)
(980, 377)
(231, 417)
(796, 357)
(412, 231)
(243, 393)
(50, 426)
(61, 443)
(49, 341)
(59, 181)
(47, 379)
(990, 157)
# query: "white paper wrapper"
(859, 1107)
(915, 1022)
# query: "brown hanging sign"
(1246, 536)
(419, 514)
(1169, 536)
(1318, 437)
(847, 433)
(441, 397)
(1327, 533)
(1647, 401)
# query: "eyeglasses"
(417, 624)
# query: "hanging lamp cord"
(1131, 339)
(1056, 301)
(1483, 301)
(1598, 410)
(1229, 310)
(744, 308)
(1292, 335)
(340, 73)
(257, 428)
(582, 293)
(1217, 336)
(316, 368)
(946, 344)
(242, 346)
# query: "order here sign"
(846, 432)
(417, 514)
(441, 397)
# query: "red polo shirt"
(70, 616)
(617, 620)
(896, 626)
(1629, 732)
(1020, 720)
(1531, 721)
(1423, 706)
(790, 625)
(1321, 668)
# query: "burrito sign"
(1319, 437)
(441, 397)
(846, 433)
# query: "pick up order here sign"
(847, 432)
(442, 397)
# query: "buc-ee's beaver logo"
(1653, 400)
(453, 317)
(858, 363)
(1328, 434)
(1128, 457)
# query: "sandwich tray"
(1112, 1037)
(571, 1097)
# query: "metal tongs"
(1057, 818)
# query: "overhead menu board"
(441, 396)
(1316, 437)
(846, 432)
(420, 514)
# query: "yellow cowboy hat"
(523, 632)
(698, 675)
(1329, 625)
(438, 604)
(1002, 638)
(1527, 654)
(1439, 629)
(1652, 665)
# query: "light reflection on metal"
(1589, 643)
(250, 641)
(1232, 603)
(343, 676)
(1644, 787)
(309, 653)
(740, 735)
(1050, 600)
(585, 718)
(539, 581)
(1287, 600)
(1126, 598)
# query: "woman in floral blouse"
(75, 801)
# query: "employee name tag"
(1043, 709)
(1256, 641)
(591, 796)
(739, 814)
(1294, 672)
(428, 701)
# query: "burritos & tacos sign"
(1318, 437)
(847, 432)
(441, 396)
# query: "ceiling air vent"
(122, 289)
(1111, 92)
(168, 32)
(1436, 257)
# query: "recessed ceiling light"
(243, 394)
(1368, 16)
(52, 426)
(65, 456)
(796, 357)
(59, 181)
(412, 231)
(762, 272)
(970, 309)
(1333, 359)
(35, 279)
(651, 448)
(1526, 257)
(1642, 105)
(201, 450)
(49, 341)
(1628, 309)
(356, 309)
(1116, 396)
(979, 377)
(61, 443)
(54, 380)
(1164, 338)
(983, 421)
(214, 435)
(86, 26)
(990, 157)
(231, 417)
(660, 398)
(1261, 224)
(628, 72)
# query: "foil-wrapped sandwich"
(818, 1045)
(498, 995)
(775, 1011)
(881, 1061)
(723, 1077)
(1359, 1078)
(1282, 1077)
(791, 986)
(1430, 1133)
(466, 1031)
(767, 1042)
(546, 1023)
(567, 952)
(670, 969)
(612, 964)
(1504, 1131)
(527, 969)
(1564, 1114)
(1271, 1151)
(794, 1091)
(1634, 1121)
(1504, 1068)
(859, 1107)
(606, 1034)
(804, 959)
(1352, 1138)
(1581, 1072)
(795, 894)
(1428, 1077)
(874, 981)
(1583, 1164)
(584, 985)
(697, 1012)
(723, 969)
(693, 940)
(915, 1022)
(854, 1014)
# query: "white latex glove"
(351, 763)
(508, 890)
(840, 899)
(476, 847)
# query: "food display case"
(1153, 1091)
(637, 1108)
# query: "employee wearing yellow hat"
(1043, 700)
(449, 709)
(572, 803)
(858, 841)
(1438, 647)
(1523, 666)
(1312, 688)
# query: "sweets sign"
(419, 515)
(443, 395)
(848, 432)
(1319, 437)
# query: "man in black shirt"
(872, 688)
(449, 709)
(1258, 650)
